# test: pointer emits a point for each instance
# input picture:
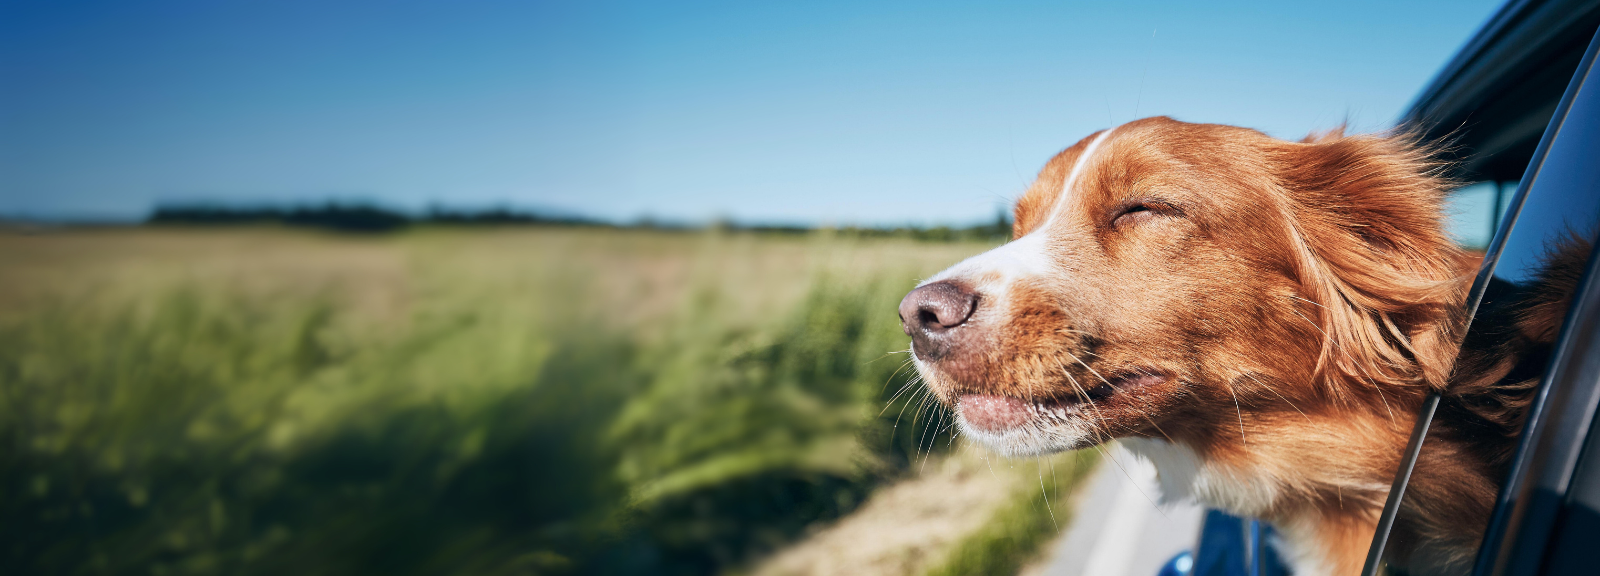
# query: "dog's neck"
(1321, 476)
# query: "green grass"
(260, 401)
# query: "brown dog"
(1259, 318)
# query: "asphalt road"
(1119, 529)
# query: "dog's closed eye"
(1138, 211)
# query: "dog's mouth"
(997, 413)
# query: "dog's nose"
(935, 308)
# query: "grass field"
(455, 401)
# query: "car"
(1519, 107)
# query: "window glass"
(1472, 214)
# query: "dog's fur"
(1260, 318)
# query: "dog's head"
(1168, 279)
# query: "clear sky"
(817, 112)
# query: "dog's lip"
(996, 412)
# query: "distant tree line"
(360, 217)
(350, 217)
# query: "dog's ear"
(1371, 253)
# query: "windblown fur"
(1261, 318)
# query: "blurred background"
(564, 288)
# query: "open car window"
(1524, 371)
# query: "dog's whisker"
(1105, 455)
(896, 373)
(926, 453)
(885, 355)
(1240, 412)
(915, 416)
(902, 413)
(1088, 367)
(913, 378)
(1085, 393)
(923, 409)
(1279, 395)
(1318, 327)
(1046, 493)
(1382, 398)
(909, 385)
(1152, 422)
(1307, 301)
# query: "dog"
(1259, 318)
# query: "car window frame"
(1521, 522)
(1534, 495)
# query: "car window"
(1533, 267)
(1474, 211)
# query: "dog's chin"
(1035, 440)
(1015, 427)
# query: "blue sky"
(823, 112)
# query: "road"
(1118, 528)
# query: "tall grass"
(540, 402)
